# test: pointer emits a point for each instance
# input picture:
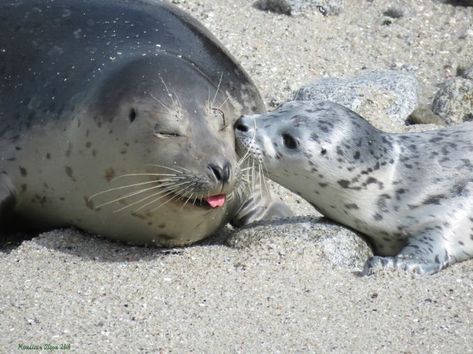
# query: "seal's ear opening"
(132, 115)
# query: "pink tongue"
(216, 201)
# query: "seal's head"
(174, 146)
(301, 139)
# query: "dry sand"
(65, 287)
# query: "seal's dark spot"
(23, 171)
(323, 152)
(352, 206)
(165, 237)
(69, 150)
(343, 183)
(378, 217)
(109, 174)
(434, 199)
(399, 192)
(69, 173)
(132, 115)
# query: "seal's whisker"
(263, 175)
(132, 194)
(240, 207)
(216, 92)
(244, 158)
(253, 171)
(146, 174)
(245, 170)
(166, 191)
(167, 89)
(224, 101)
(262, 181)
(187, 201)
(121, 187)
(170, 192)
(167, 201)
(160, 102)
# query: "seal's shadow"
(90, 247)
(83, 245)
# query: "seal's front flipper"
(7, 197)
(425, 253)
(259, 206)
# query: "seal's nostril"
(221, 174)
(217, 171)
(241, 127)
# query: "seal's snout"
(221, 173)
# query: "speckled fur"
(410, 194)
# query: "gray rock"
(453, 102)
(465, 72)
(297, 7)
(385, 98)
(336, 246)
(424, 115)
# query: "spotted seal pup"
(116, 117)
(410, 194)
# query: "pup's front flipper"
(425, 253)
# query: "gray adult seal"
(116, 117)
(410, 194)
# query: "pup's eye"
(289, 141)
(132, 115)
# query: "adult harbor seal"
(116, 117)
(410, 194)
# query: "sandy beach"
(67, 291)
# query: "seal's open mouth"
(215, 201)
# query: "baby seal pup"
(410, 194)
